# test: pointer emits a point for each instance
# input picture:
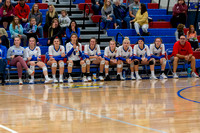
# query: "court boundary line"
(100, 116)
(8, 129)
(179, 94)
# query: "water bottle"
(189, 72)
(94, 77)
(124, 74)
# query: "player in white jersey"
(74, 54)
(124, 54)
(33, 54)
(142, 56)
(157, 50)
(110, 56)
(56, 57)
(93, 56)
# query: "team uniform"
(123, 55)
(109, 55)
(157, 53)
(92, 52)
(74, 54)
(56, 54)
(35, 53)
(141, 53)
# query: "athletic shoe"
(30, 72)
(48, 80)
(107, 78)
(31, 81)
(60, 80)
(20, 82)
(153, 77)
(122, 78)
(163, 76)
(138, 77)
(70, 80)
(84, 79)
(101, 78)
(55, 80)
(194, 75)
(175, 76)
(118, 77)
(132, 77)
(89, 78)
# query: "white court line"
(8, 129)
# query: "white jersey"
(109, 54)
(142, 53)
(74, 55)
(53, 52)
(36, 52)
(124, 54)
(92, 52)
(157, 51)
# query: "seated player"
(33, 54)
(93, 56)
(142, 56)
(157, 51)
(110, 56)
(124, 54)
(17, 57)
(182, 50)
(56, 57)
(3, 62)
(74, 53)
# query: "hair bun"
(126, 38)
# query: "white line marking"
(8, 129)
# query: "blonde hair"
(52, 14)
(105, 5)
(126, 39)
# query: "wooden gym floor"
(146, 106)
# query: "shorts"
(77, 63)
(180, 60)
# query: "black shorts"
(77, 63)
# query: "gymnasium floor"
(146, 106)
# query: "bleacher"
(160, 27)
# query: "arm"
(79, 32)
(9, 53)
(68, 34)
(86, 52)
(188, 35)
(106, 54)
(21, 29)
(24, 54)
(12, 32)
(103, 13)
(176, 35)
(70, 51)
(26, 27)
(41, 19)
(148, 53)
(28, 11)
(98, 51)
(34, 28)
(4, 53)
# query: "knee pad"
(102, 62)
(164, 61)
(54, 65)
(83, 65)
(88, 62)
(44, 68)
(106, 66)
(151, 62)
(61, 64)
(32, 68)
(154, 61)
(132, 64)
(119, 65)
(70, 64)
(136, 62)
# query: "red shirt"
(182, 49)
(22, 12)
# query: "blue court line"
(100, 116)
(179, 94)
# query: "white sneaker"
(31, 81)
(138, 77)
(101, 78)
(20, 82)
(84, 79)
(55, 80)
(60, 80)
(163, 76)
(70, 80)
(194, 75)
(30, 72)
(132, 77)
(122, 78)
(175, 76)
(89, 78)
(48, 80)
(153, 77)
